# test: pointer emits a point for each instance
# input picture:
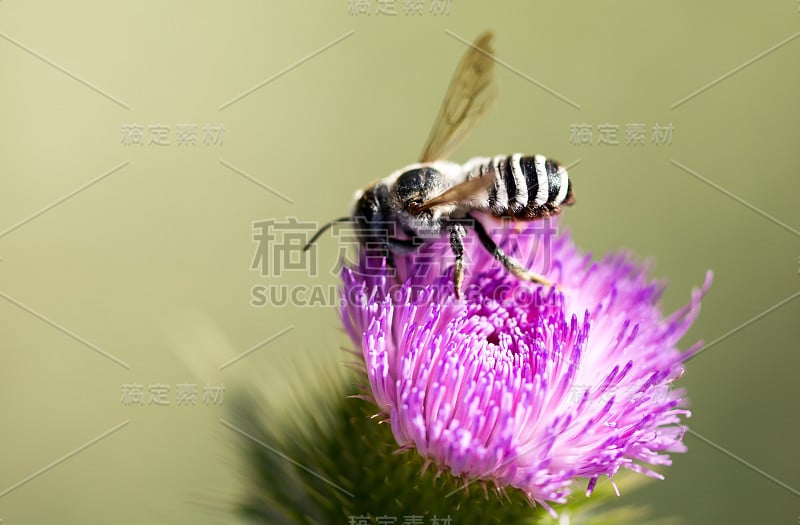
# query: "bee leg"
(510, 264)
(457, 233)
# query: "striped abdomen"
(525, 187)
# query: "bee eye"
(412, 205)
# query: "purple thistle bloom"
(522, 385)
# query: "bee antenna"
(322, 230)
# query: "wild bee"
(433, 197)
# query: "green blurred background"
(151, 264)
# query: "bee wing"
(472, 91)
(463, 191)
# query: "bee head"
(371, 215)
(415, 186)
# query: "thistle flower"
(516, 384)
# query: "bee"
(435, 197)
